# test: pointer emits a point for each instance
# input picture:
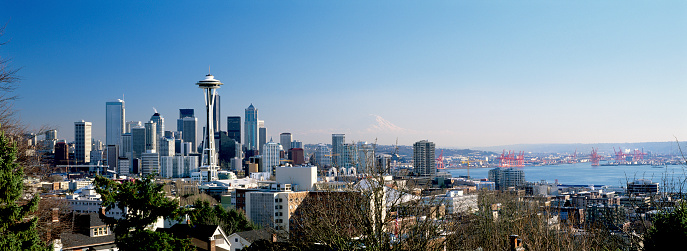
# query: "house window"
(236, 239)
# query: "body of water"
(586, 174)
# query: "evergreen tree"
(142, 203)
(668, 230)
(17, 228)
(231, 221)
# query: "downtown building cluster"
(274, 182)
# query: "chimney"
(55, 214)
(515, 243)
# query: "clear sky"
(459, 73)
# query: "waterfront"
(586, 174)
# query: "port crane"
(594, 157)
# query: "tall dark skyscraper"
(187, 124)
(183, 113)
(338, 141)
(216, 118)
(234, 128)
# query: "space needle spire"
(209, 166)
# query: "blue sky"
(459, 73)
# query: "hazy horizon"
(463, 74)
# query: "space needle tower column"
(208, 167)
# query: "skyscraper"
(262, 135)
(187, 124)
(234, 128)
(166, 146)
(338, 141)
(190, 130)
(132, 124)
(151, 136)
(349, 156)
(114, 121)
(506, 177)
(216, 114)
(82, 141)
(424, 162)
(285, 140)
(138, 142)
(251, 133)
(322, 156)
(51, 135)
(159, 128)
(150, 163)
(366, 158)
(184, 113)
(125, 146)
(270, 157)
(296, 144)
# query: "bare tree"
(375, 213)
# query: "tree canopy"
(231, 221)
(142, 202)
(668, 229)
(17, 229)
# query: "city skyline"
(459, 74)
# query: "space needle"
(208, 167)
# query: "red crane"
(638, 156)
(595, 157)
(440, 160)
(511, 159)
(619, 155)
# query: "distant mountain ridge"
(670, 147)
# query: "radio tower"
(208, 167)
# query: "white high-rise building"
(82, 141)
(366, 158)
(251, 131)
(114, 121)
(178, 166)
(170, 164)
(271, 156)
(150, 163)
